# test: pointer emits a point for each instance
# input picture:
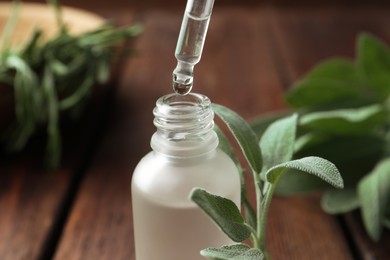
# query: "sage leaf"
(340, 201)
(354, 156)
(316, 166)
(224, 212)
(260, 123)
(374, 196)
(249, 213)
(294, 182)
(233, 252)
(328, 82)
(309, 140)
(277, 142)
(373, 62)
(244, 135)
(226, 147)
(346, 121)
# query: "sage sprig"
(55, 77)
(344, 108)
(269, 159)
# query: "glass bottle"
(167, 224)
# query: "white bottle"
(167, 224)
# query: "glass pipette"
(190, 43)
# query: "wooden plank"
(299, 229)
(307, 36)
(100, 225)
(29, 200)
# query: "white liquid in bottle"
(167, 225)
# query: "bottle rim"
(179, 117)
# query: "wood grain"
(29, 199)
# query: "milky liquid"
(167, 224)
(183, 230)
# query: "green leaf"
(249, 213)
(226, 147)
(260, 124)
(354, 156)
(316, 166)
(374, 196)
(277, 142)
(233, 252)
(244, 135)
(294, 182)
(224, 212)
(330, 81)
(373, 62)
(309, 140)
(346, 121)
(340, 201)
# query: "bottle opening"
(188, 117)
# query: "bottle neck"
(184, 126)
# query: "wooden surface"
(251, 56)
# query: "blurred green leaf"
(340, 201)
(354, 156)
(374, 196)
(259, 124)
(373, 63)
(224, 212)
(329, 82)
(346, 121)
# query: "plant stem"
(259, 199)
(262, 224)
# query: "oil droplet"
(182, 87)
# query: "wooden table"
(252, 55)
